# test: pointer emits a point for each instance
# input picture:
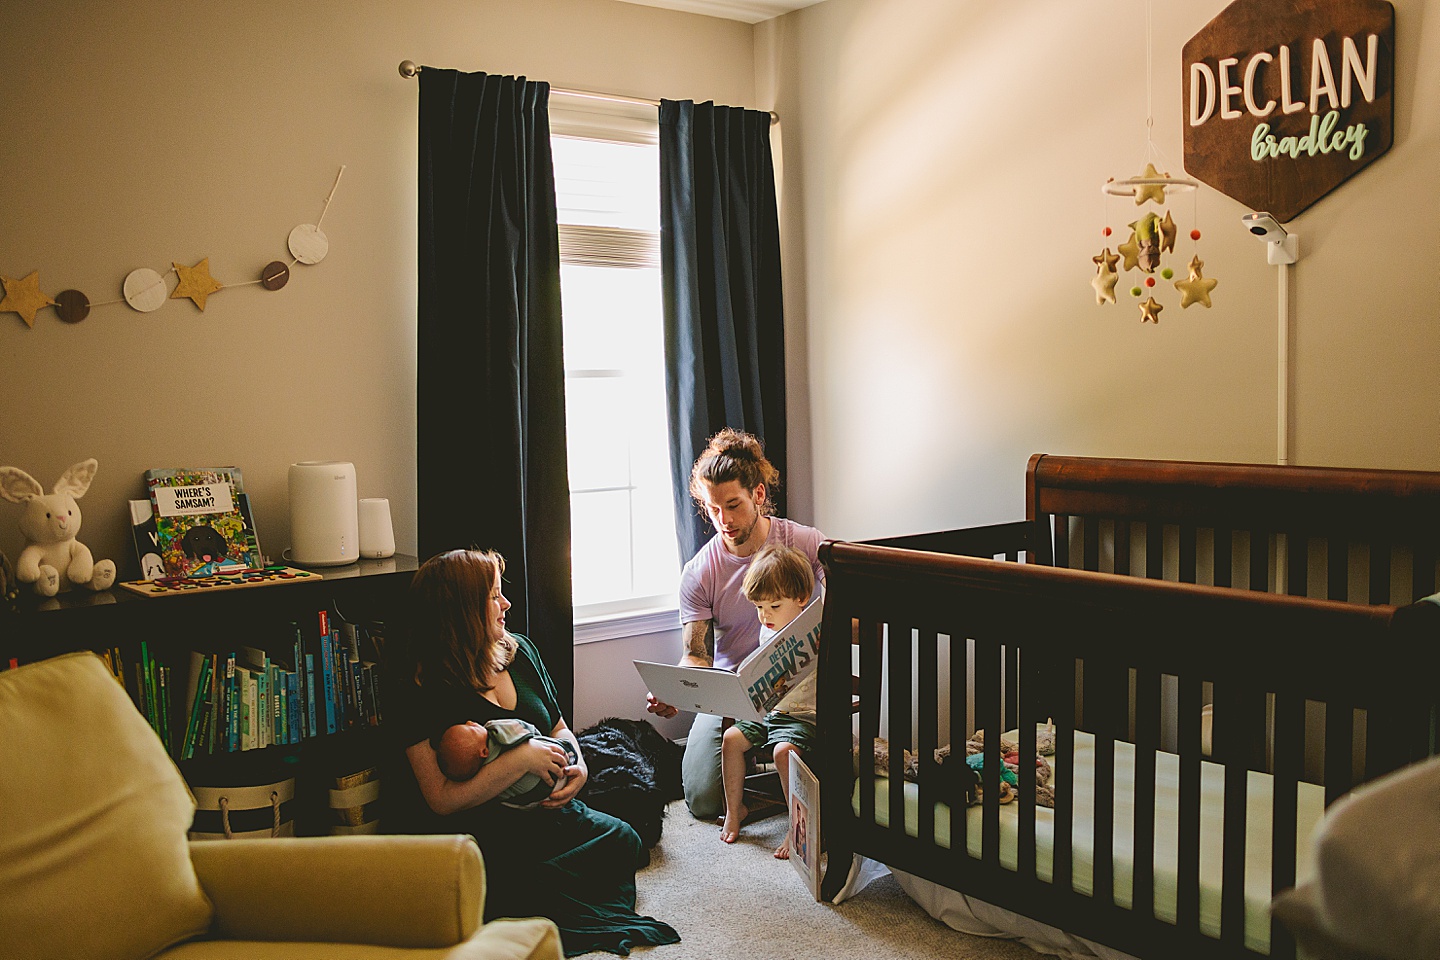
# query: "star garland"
(146, 290)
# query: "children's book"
(203, 524)
(756, 686)
(804, 837)
(147, 540)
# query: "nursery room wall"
(943, 169)
(138, 134)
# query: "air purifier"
(324, 519)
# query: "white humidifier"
(324, 519)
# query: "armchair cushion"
(399, 891)
(93, 857)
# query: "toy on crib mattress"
(53, 559)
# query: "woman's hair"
(734, 455)
(450, 638)
(778, 572)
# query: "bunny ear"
(76, 480)
(17, 486)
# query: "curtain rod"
(409, 69)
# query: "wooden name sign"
(1287, 99)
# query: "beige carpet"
(738, 901)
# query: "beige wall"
(943, 163)
(141, 133)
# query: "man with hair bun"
(732, 483)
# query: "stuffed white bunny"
(53, 559)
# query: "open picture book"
(752, 689)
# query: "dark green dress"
(572, 864)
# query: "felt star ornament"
(1150, 311)
(24, 297)
(1130, 250)
(1150, 191)
(1195, 289)
(195, 282)
(1167, 233)
(1105, 277)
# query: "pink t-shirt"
(710, 589)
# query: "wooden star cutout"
(1197, 288)
(24, 297)
(1105, 277)
(1150, 191)
(1167, 233)
(1150, 311)
(195, 282)
(1130, 250)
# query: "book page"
(805, 825)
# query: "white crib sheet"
(1310, 804)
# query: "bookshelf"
(259, 616)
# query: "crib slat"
(870, 677)
(959, 733)
(928, 676)
(900, 672)
(1062, 695)
(1104, 694)
(1379, 572)
(1012, 686)
(1154, 550)
(1339, 749)
(1025, 725)
(1297, 564)
(1147, 730)
(1226, 746)
(1259, 560)
(1423, 576)
(1187, 880)
(1090, 540)
(1122, 547)
(1223, 547)
(1062, 540)
(987, 717)
(1187, 553)
(1289, 752)
(1337, 566)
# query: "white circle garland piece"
(145, 290)
(308, 243)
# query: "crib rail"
(1079, 641)
(1362, 535)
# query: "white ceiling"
(747, 11)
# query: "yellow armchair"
(94, 860)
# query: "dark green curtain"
(490, 396)
(720, 263)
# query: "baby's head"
(779, 583)
(462, 750)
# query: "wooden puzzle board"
(179, 586)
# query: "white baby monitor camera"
(1264, 226)
(1281, 246)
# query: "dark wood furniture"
(219, 621)
(1107, 648)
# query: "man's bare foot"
(782, 852)
(730, 829)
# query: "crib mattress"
(1310, 809)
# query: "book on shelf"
(804, 829)
(146, 539)
(203, 523)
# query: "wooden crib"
(1172, 606)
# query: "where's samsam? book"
(203, 524)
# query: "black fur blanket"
(634, 772)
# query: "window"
(624, 556)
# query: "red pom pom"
(1194, 234)
(1105, 232)
(1149, 281)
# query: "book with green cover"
(203, 524)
